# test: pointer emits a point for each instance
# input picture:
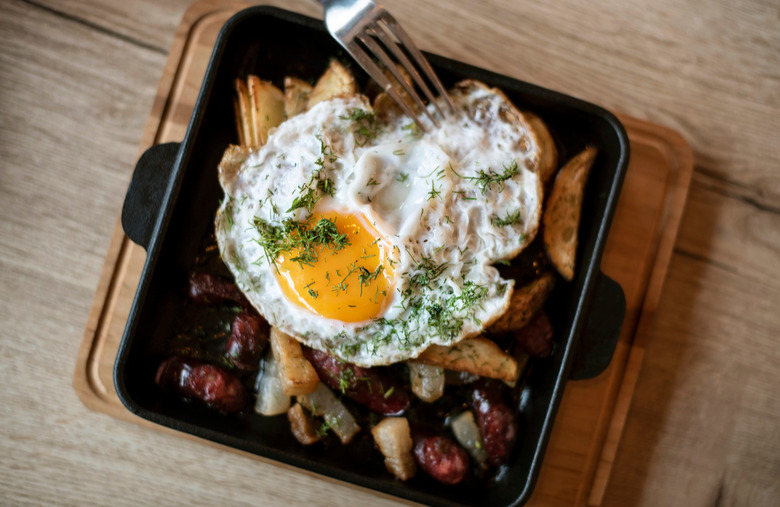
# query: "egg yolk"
(350, 283)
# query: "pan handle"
(146, 191)
(602, 330)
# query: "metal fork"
(363, 21)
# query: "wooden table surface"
(77, 80)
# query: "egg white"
(450, 203)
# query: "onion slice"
(323, 403)
(270, 399)
(467, 433)
(427, 381)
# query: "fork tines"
(359, 24)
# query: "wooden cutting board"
(590, 420)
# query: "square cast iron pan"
(170, 207)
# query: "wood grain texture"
(77, 82)
(646, 221)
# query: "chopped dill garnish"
(434, 192)
(402, 177)
(365, 277)
(340, 287)
(366, 125)
(515, 217)
(413, 129)
(300, 236)
(485, 180)
(323, 429)
(319, 184)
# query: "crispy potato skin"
(296, 96)
(526, 301)
(266, 106)
(393, 436)
(296, 373)
(302, 425)
(337, 81)
(480, 356)
(561, 218)
(548, 162)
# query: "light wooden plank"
(703, 427)
(75, 91)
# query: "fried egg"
(374, 240)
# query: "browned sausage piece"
(376, 390)
(198, 380)
(208, 289)
(535, 338)
(247, 340)
(442, 459)
(497, 421)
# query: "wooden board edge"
(679, 152)
(85, 381)
(190, 19)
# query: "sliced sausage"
(442, 459)
(198, 380)
(497, 421)
(371, 387)
(535, 338)
(247, 340)
(208, 289)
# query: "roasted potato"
(561, 218)
(479, 355)
(394, 439)
(295, 372)
(241, 104)
(231, 162)
(548, 162)
(525, 302)
(267, 109)
(335, 82)
(303, 427)
(384, 106)
(296, 96)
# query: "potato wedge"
(295, 371)
(231, 162)
(394, 439)
(267, 107)
(296, 96)
(337, 81)
(384, 106)
(561, 216)
(525, 302)
(244, 123)
(548, 162)
(479, 356)
(303, 427)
